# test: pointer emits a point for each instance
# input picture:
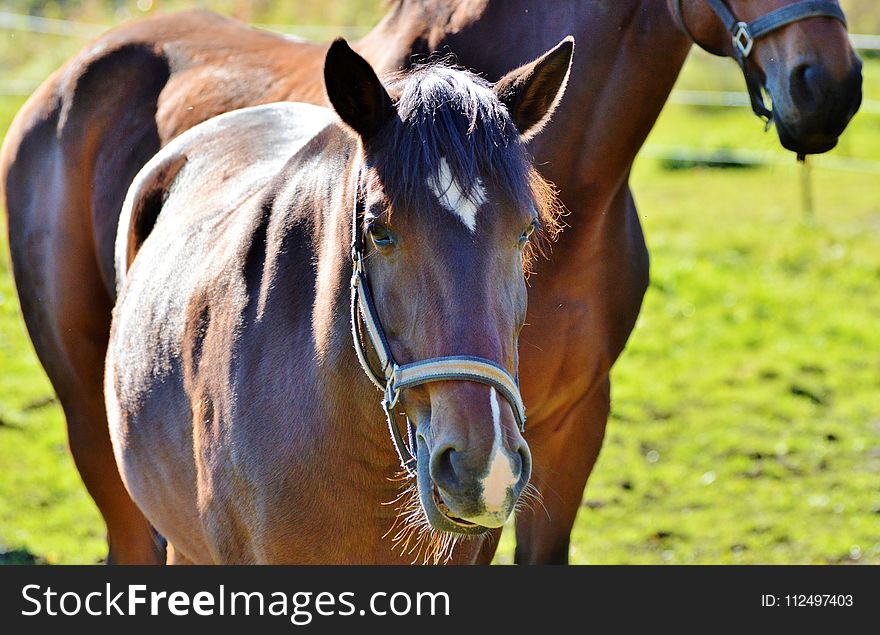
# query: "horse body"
(583, 302)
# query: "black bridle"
(745, 34)
(394, 378)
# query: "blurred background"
(745, 423)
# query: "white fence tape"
(733, 99)
(755, 157)
(50, 26)
(88, 30)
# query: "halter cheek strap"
(745, 34)
(392, 379)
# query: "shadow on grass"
(20, 556)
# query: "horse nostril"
(525, 457)
(810, 86)
(442, 468)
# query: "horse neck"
(628, 55)
(626, 63)
(313, 228)
(331, 224)
(413, 27)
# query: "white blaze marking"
(500, 477)
(452, 197)
(496, 416)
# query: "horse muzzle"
(465, 493)
(811, 110)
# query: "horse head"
(449, 203)
(799, 52)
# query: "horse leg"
(70, 340)
(488, 546)
(564, 451)
(67, 311)
(130, 537)
(69, 331)
(75, 367)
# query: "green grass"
(745, 424)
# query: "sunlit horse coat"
(74, 148)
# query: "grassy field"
(746, 419)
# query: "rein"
(745, 34)
(394, 378)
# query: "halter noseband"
(395, 378)
(745, 34)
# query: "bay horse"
(74, 148)
(243, 424)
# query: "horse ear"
(532, 91)
(355, 91)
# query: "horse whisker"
(411, 533)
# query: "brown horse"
(242, 422)
(74, 148)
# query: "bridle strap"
(362, 316)
(392, 379)
(795, 13)
(745, 34)
(463, 368)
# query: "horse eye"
(524, 237)
(380, 234)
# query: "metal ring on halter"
(357, 269)
(392, 391)
(742, 39)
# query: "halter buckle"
(357, 268)
(742, 39)
(392, 392)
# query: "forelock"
(452, 116)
